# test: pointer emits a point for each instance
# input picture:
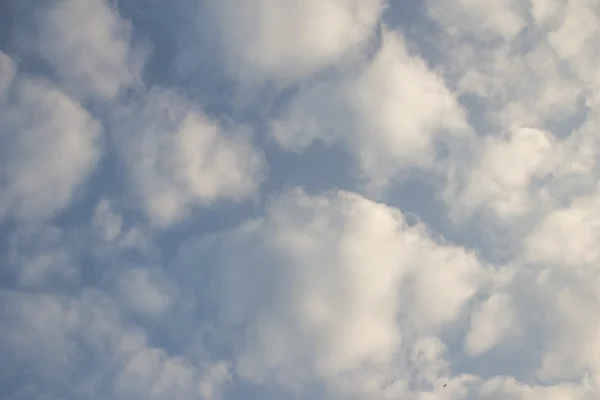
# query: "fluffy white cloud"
(147, 291)
(502, 178)
(215, 379)
(288, 40)
(504, 19)
(41, 256)
(391, 113)
(55, 336)
(177, 157)
(328, 284)
(107, 221)
(331, 295)
(111, 226)
(49, 145)
(503, 388)
(152, 374)
(51, 334)
(88, 45)
(574, 38)
(567, 236)
(534, 114)
(491, 324)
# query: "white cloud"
(532, 113)
(390, 114)
(178, 158)
(323, 291)
(491, 324)
(152, 374)
(215, 379)
(503, 388)
(289, 40)
(533, 174)
(54, 337)
(567, 236)
(88, 45)
(50, 146)
(504, 19)
(52, 334)
(113, 229)
(546, 11)
(573, 40)
(41, 257)
(147, 291)
(107, 221)
(325, 285)
(515, 179)
(502, 177)
(525, 88)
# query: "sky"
(284, 199)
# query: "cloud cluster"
(177, 157)
(290, 40)
(50, 145)
(390, 111)
(322, 283)
(151, 247)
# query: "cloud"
(327, 284)
(490, 20)
(531, 111)
(50, 147)
(573, 39)
(493, 323)
(287, 40)
(177, 157)
(87, 43)
(461, 262)
(501, 388)
(42, 256)
(54, 337)
(391, 113)
(106, 221)
(110, 225)
(50, 335)
(505, 189)
(152, 374)
(146, 291)
(567, 236)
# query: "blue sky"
(317, 199)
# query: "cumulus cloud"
(146, 291)
(50, 146)
(185, 266)
(54, 336)
(152, 374)
(491, 324)
(492, 19)
(107, 221)
(177, 157)
(41, 256)
(88, 45)
(289, 40)
(391, 114)
(505, 188)
(327, 284)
